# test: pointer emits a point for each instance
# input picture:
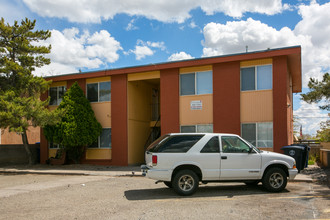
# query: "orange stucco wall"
(194, 117)
(257, 106)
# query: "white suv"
(183, 160)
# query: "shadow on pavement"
(77, 167)
(223, 192)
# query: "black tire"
(168, 184)
(252, 182)
(275, 179)
(185, 182)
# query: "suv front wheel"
(185, 182)
(275, 179)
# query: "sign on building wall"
(196, 105)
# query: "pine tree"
(78, 127)
(20, 90)
(319, 90)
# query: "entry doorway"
(143, 117)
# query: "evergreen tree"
(319, 90)
(78, 127)
(20, 90)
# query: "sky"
(89, 35)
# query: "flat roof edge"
(180, 63)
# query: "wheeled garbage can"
(298, 153)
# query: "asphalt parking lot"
(32, 196)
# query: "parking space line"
(195, 199)
(299, 197)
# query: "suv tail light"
(154, 160)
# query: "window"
(177, 144)
(256, 78)
(56, 94)
(54, 146)
(196, 83)
(104, 140)
(99, 92)
(197, 128)
(258, 134)
(232, 144)
(212, 146)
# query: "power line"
(310, 117)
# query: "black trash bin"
(298, 153)
(306, 152)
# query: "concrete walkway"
(306, 175)
(74, 169)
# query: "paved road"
(102, 197)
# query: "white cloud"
(71, 51)
(141, 52)
(310, 116)
(143, 49)
(131, 26)
(180, 56)
(311, 33)
(238, 7)
(162, 10)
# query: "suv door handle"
(224, 157)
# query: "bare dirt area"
(102, 197)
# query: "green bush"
(78, 128)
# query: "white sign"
(196, 105)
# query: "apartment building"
(248, 94)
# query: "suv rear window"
(176, 144)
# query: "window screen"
(248, 79)
(53, 96)
(92, 92)
(187, 84)
(264, 77)
(204, 82)
(188, 129)
(205, 128)
(249, 133)
(105, 91)
(265, 134)
(105, 138)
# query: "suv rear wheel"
(168, 184)
(275, 180)
(185, 182)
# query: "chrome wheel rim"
(276, 180)
(186, 183)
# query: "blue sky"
(91, 35)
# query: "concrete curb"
(299, 177)
(78, 173)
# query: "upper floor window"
(56, 94)
(256, 78)
(196, 83)
(99, 92)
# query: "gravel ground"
(101, 197)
